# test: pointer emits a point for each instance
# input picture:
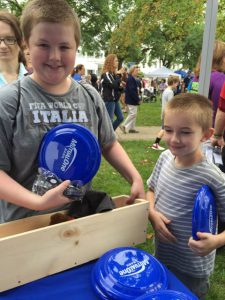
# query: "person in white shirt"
(167, 95)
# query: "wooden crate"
(30, 249)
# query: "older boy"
(179, 173)
(49, 97)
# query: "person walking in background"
(132, 101)
(78, 72)
(123, 77)
(11, 55)
(111, 88)
(162, 87)
(50, 97)
(94, 81)
(178, 175)
(187, 79)
(167, 95)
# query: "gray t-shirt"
(175, 190)
(38, 112)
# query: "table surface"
(71, 284)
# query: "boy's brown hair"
(53, 11)
(197, 105)
(172, 79)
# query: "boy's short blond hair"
(172, 79)
(197, 105)
(53, 11)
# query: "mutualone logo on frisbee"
(70, 151)
(204, 215)
(127, 273)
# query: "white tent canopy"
(162, 72)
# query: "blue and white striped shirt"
(175, 190)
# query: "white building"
(92, 64)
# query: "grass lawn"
(144, 159)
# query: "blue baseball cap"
(70, 151)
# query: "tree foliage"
(99, 18)
(220, 33)
(13, 6)
(139, 30)
(166, 30)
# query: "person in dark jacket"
(111, 89)
(132, 100)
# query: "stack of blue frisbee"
(127, 273)
(204, 216)
(70, 151)
(166, 295)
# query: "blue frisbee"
(204, 215)
(70, 151)
(127, 273)
(167, 295)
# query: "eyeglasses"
(10, 40)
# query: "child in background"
(167, 95)
(48, 97)
(179, 172)
(162, 87)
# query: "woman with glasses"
(11, 56)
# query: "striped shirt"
(175, 190)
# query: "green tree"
(99, 18)
(220, 33)
(165, 30)
(13, 6)
(140, 29)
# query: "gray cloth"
(38, 112)
(175, 190)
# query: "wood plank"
(38, 253)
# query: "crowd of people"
(37, 73)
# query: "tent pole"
(207, 47)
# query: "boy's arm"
(13, 192)
(118, 158)
(217, 138)
(159, 221)
(207, 243)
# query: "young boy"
(167, 95)
(48, 97)
(179, 172)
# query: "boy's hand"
(136, 192)
(54, 197)
(159, 223)
(205, 245)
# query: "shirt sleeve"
(152, 180)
